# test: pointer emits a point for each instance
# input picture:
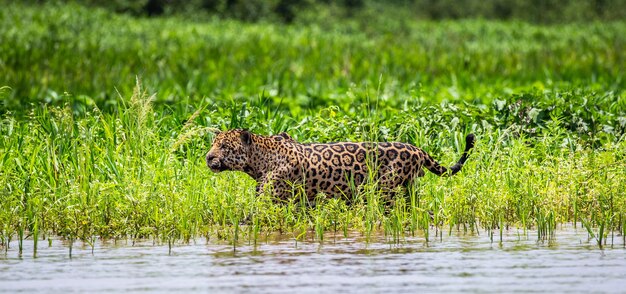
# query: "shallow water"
(455, 263)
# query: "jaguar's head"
(230, 150)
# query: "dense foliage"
(86, 153)
(538, 11)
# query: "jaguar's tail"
(433, 166)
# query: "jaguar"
(279, 163)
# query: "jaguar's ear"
(246, 137)
(285, 135)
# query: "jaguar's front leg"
(265, 186)
(274, 184)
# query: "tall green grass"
(135, 173)
(51, 54)
(87, 152)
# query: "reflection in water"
(454, 263)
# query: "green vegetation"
(298, 11)
(50, 51)
(85, 153)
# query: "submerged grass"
(106, 160)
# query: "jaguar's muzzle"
(214, 163)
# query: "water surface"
(455, 263)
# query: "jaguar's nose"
(213, 162)
(209, 159)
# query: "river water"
(455, 263)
